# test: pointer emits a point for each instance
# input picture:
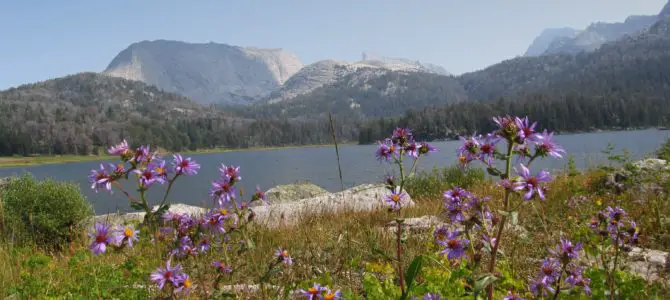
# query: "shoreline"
(39, 160)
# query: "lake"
(268, 168)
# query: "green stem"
(558, 282)
(170, 182)
(614, 266)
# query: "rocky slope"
(207, 73)
(543, 41)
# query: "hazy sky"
(47, 39)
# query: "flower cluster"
(223, 190)
(615, 224)
(172, 277)
(102, 237)
(318, 292)
(562, 263)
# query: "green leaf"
(137, 206)
(493, 171)
(162, 210)
(483, 282)
(513, 216)
(411, 274)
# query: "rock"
(4, 181)
(416, 225)
(293, 192)
(651, 165)
(135, 217)
(366, 197)
(648, 263)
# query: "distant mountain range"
(570, 40)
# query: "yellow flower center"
(187, 283)
(329, 296)
(395, 198)
(284, 253)
(160, 170)
(223, 211)
(462, 159)
(312, 291)
(128, 232)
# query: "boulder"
(292, 192)
(366, 197)
(4, 181)
(651, 165)
(648, 263)
(136, 217)
(416, 225)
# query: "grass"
(338, 250)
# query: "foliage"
(431, 184)
(664, 151)
(46, 212)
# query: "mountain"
(543, 41)
(325, 72)
(207, 73)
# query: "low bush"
(45, 213)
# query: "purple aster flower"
(632, 233)
(512, 296)
(142, 154)
(522, 153)
(412, 149)
(126, 234)
(488, 148)
(147, 177)
(576, 279)
(531, 184)
(314, 292)
(231, 173)
(168, 275)
(185, 284)
(203, 245)
(540, 287)
(332, 295)
(457, 193)
(221, 267)
(283, 256)
(550, 270)
(223, 191)
(119, 149)
(454, 247)
(454, 208)
(118, 169)
(615, 219)
(100, 179)
(566, 251)
(470, 148)
(430, 296)
(101, 238)
(425, 148)
(507, 128)
(395, 199)
(161, 171)
(441, 233)
(547, 146)
(215, 219)
(506, 184)
(259, 195)
(402, 136)
(526, 130)
(386, 151)
(185, 165)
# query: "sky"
(46, 39)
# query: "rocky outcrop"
(4, 181)
(293, 192)
(416, 225)
(652, 265)
(136, 217)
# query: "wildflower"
(185, 165)
(454, 247)
(126, 234)
(283, 256)
(412, 149)
(395, 199)
(168, 275)
(547, 146)
(440, 233)
(101, 238)
(506, 184)
(100, 179)
(214, 220)
(402, 136)
(566, 251)
(506, 127)
(185, 284)
(531, 184)
(119, 149)
(576, 279)
(332, 295)
(430, 296)
(386, 151)
(522, 152)
(314, 292)
(540, 287)
(161, 172)
(512, 296)
(488, 148)
(425, 148)
(231, 173)
(119, 169)
(147, 177)
(470, 148)
(142, 154)
(454, 208)
(457, 193)
(222, 190)
(551, 270)
(526, 130)
(203, 245)
(221, 267)
(259, 195)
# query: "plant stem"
(170, 182)
(494, 250)
(558, 282)
(337, 149)
(614, 265)
(401, 275)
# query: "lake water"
(318, 165)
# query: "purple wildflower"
(425, 148)
(184, 284)
(412, 149)
(314, 292)
(101, 238)
(470, 148)
(185, 165)
(402, 136)
(221, 267)
(457, 193)
(512, 296)
(147, 177)
(551, 270)
(119, 149)
(488, 148)
(332, 295)
(161, 172)
(223, 191)
(214, 220)
(547, 146)
(386, 151)
(430, 296)
(566, 251)
(231, 173)
(395, 199)
(440, 233)
(576, 279)
(531, 184)
(203, 245)
(523, 153)
(168, 275)
(283, 256)
(100, 179)
(526, 130)
(126, 234)
(142, 154)
(454, 247)
(259, 195)
(540, 287)
(454, 208)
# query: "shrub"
(431, 185)
(42, 212)
(664, 151)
